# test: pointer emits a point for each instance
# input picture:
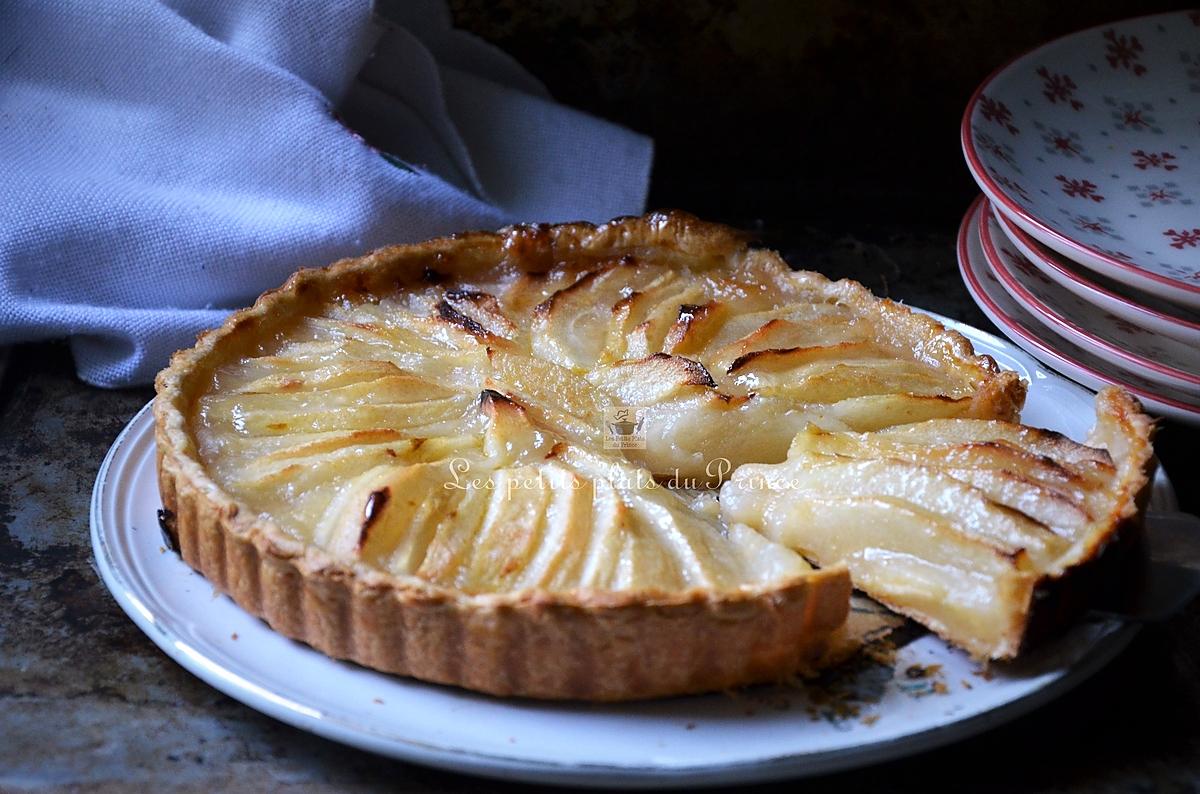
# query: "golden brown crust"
(587, 645)
(1109, 555)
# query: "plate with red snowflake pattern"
(1091, 144)
(1062, 355)
(1148, 311)
(1127, 345)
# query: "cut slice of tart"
(409, 459)
(984, 531)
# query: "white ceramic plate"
(759, 734)
(1127, 345)
(1141, 308)
(1021, 327)
(1089, 143)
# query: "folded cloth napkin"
(164, 162)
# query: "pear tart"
(402, 460)
(971, 527)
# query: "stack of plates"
(1085, 249)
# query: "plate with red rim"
(1059, 354)
(1123, 301)
(1088, 143)
(1127, 345)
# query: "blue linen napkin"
(164, 162)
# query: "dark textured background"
(825, 111)
(830, 129)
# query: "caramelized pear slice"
(879, 411)
(649, 335)
(387, 516)
(956, 523)
(694, 326)
(652, 379)
(1028, 482)
(256, 421)
(830, 381)
(320, 378)
(569, 327)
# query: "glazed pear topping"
(456, 431)
(950, 521)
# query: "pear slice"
(658, 316)
(1032, 483)
(322, 378)
(880, 411)
(652, 379)
(832, 380)
(632, 309)
(387, 515)
(694, 327)
(963, 525)
(254, 421)
(569, 327)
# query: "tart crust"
(598, 646)
(1110, 562)
(588, 645)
